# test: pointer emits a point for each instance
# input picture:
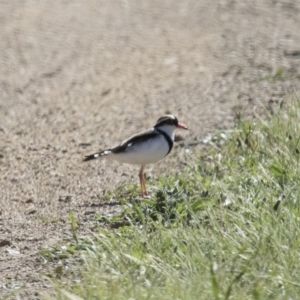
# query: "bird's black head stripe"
(166, 120)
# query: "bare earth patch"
(76, 77)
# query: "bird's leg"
(142, 182)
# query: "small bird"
(144, 148)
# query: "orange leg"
(142, 182)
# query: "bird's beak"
(181, 126)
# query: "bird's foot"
(144, 194)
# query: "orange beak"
(181, 126)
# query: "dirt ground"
(77, 76)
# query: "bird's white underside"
(147, 152)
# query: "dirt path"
(76, 77)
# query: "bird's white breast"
(146, 152)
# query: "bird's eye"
(174, 122)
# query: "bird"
(144, 148)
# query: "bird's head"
(168, 123)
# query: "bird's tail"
(96, 155)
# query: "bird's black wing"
(134, 140)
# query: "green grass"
(225, 228)
(280, 73)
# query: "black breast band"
(168, 139)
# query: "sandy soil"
(77, 77)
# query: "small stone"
(178, 138)
(13, 251)
(89, 213)
(84, 145)
(4, 243)
(105, 92)
(66, 199)
(294, 53)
